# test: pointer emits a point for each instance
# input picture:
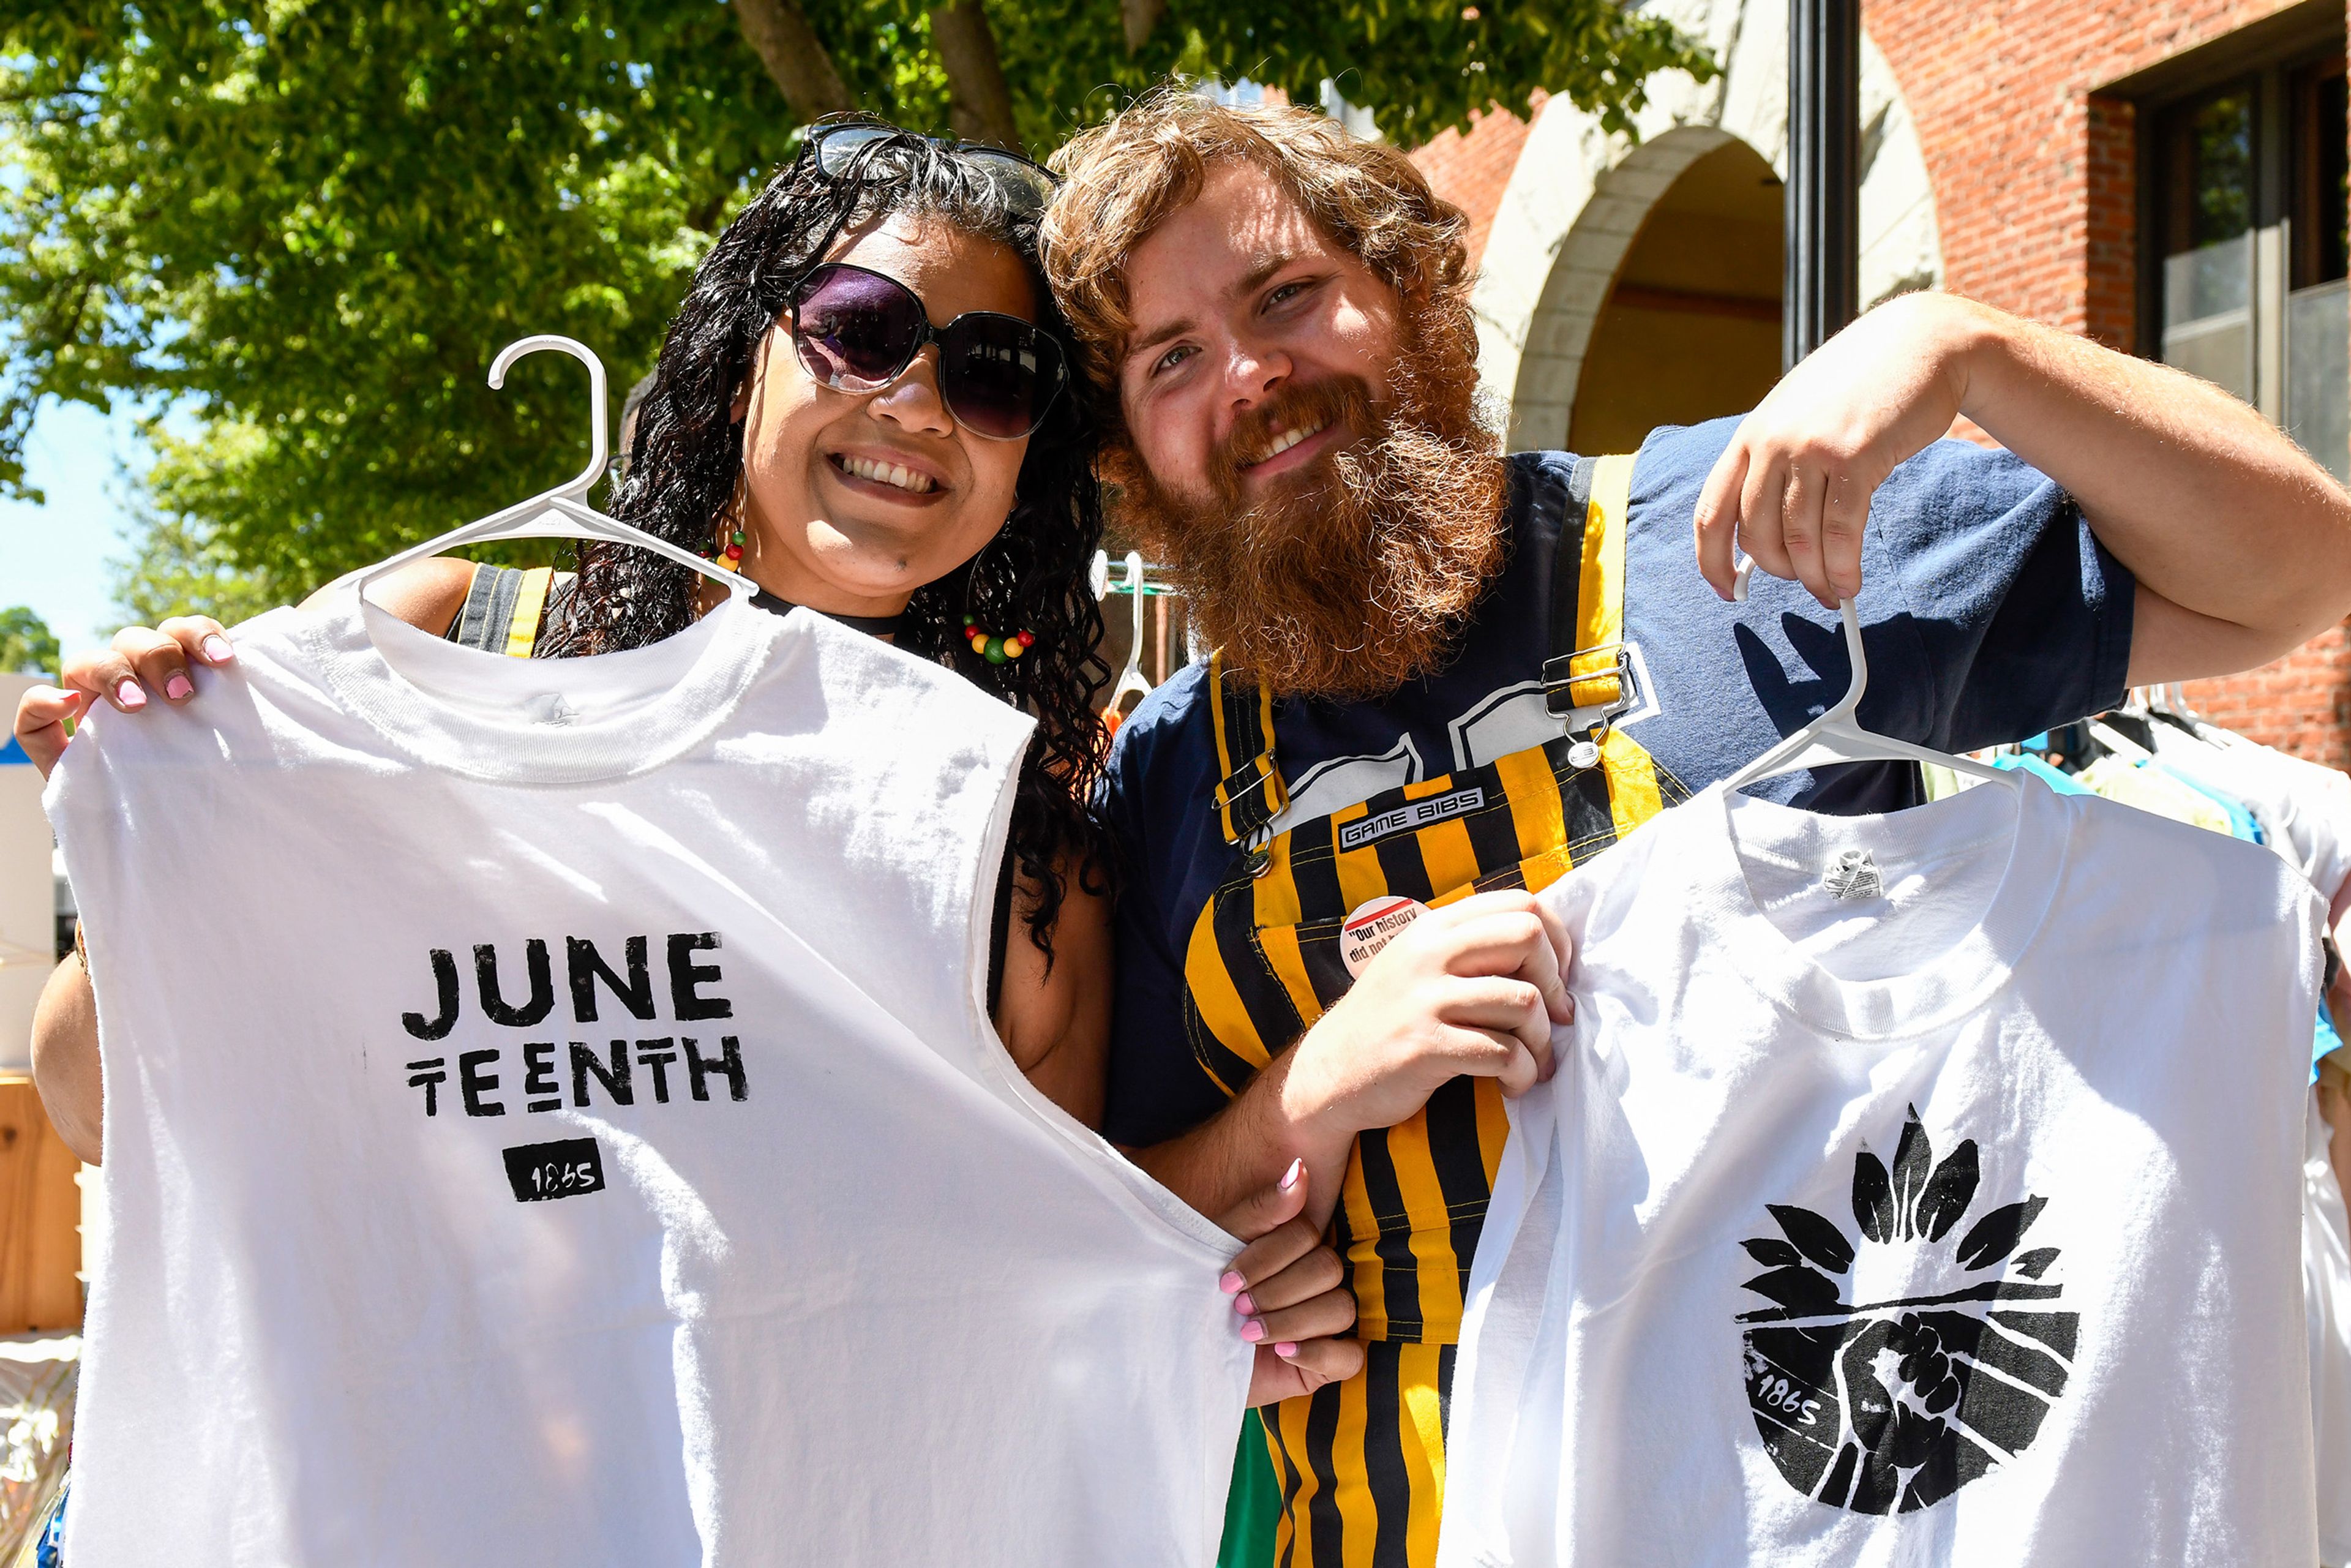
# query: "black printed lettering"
(585, 1063)
(542, 986)
(445, 981)
(686, 975)
(587, 966)
(729, 1066)
(429, 1076)
(538, 1077)
(476, 1083)
(655, 1055)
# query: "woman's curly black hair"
(686, 458)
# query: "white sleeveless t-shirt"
(551, 1117)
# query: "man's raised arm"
(2240, 544)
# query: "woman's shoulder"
(427, 593)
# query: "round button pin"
(1374, 925)
(1583, 754)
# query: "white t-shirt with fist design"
(1913, 1190)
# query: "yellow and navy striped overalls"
(1361, 1465)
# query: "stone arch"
(1578, 196)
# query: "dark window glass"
(2320, 210)
(2213, 170)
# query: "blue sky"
(54, 557)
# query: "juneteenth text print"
(1886, 1406)
(612, 1072)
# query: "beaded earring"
(728, 555)
(987, 644)
(994, 649)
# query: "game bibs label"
(1373, 926)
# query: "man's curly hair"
(1125, 178)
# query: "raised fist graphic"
(1884, 1406)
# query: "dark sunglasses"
(858, 331)
(1027, 187)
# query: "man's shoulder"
(1171, 725)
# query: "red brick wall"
(1470, 169)
(1999, 90)
(2302, 704)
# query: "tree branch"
(1139, 17)
(979, 104)
(795, 57)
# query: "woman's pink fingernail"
(217, 650)
(128, 695)
(178, 687)
(1286, 1350)
(1244, 1305)
(1252, 1331)
(1231, 1281)
(1289, 1178)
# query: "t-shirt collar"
(1944, 987)
(556, 721)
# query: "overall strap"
(1589, 666)
(502, 609)
(1251, 794)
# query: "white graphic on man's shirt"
(1345, 782)
(1505, 721)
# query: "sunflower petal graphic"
(1913, 1158)
(1873, 1197)
(1947, 1193)
(1995, 1236)
(1814, 1237)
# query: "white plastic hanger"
(1130, 680)
(2118, 743)
(1837, 737)
(559, 513)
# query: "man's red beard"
(1354, 573)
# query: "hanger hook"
(1854, 654)
(598, 439)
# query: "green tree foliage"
(28, 646)
(312, 223)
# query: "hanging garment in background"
(2152, 789)
(1904, 1196)
(579, 1137)
(2305, 808)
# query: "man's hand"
(1290, 1293)
(1473, 988)
(1792, 489)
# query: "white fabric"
(2326, 1290)
(2305, 810)
(2098, 1011)
(886, 1305)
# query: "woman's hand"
(1290, 1293)
(141, 663)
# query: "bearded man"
(1444, 675)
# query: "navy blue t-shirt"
(1988, 613)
